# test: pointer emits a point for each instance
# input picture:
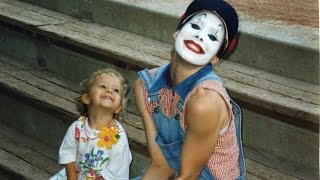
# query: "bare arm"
(159, 167)
(71, 171)
(205, 115)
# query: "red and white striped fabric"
(223, 162)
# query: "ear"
(85, 98)
(215, 60)
(175, 34)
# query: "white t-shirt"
(80, 145)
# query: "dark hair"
(86, 85)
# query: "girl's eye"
(212, 37)
(117, 90)
(102, 86)
(194, 26)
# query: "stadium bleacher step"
(281, 113)
(23, 157)
(267, 44)
(42, 104)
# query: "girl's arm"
(159, 168)
(71, 171)
(206, 113)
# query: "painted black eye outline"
(195, 26)
(212, 37)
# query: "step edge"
(278, 31)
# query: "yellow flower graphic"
(108, 137)
(90, 178)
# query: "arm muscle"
(205, 116)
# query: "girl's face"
(200, 39)
(106, 93)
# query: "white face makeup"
(200, 39)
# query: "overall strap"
(150, 80)
(210, 76)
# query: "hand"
(99, 178)
(178, 178)
(156, 172)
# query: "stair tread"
(274, 92)
(48, 91)
(34, 92)
(257, 18)
(244, 8)
(25, 156)
(287, 96)
(20, 167)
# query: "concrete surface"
(273, 34)
(31, 49)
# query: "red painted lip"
(194, 47)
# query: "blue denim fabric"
(238, 123)
(170, 135)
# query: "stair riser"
(61, 61)
(50, 128)
(8, 174)
(81, 9)
(260, 132)
(30, 119)
(255, 51)
(281, 140)
(279, 58)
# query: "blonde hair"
(86, 85)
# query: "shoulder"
(216, 85)
(140, 98)
(138, 90)
(206, 108)
(209, 92)
(123, 140)
(205, 99)
(120, 128)
(80, 121)
(138, 85)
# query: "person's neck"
(180, 69)
(98, 119)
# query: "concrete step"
(23, 157)
(269, 43)
(54, 32)
(72, 49)
(43, 109)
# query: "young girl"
(193, 128)
(96, 145)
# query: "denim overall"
(170, 135)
